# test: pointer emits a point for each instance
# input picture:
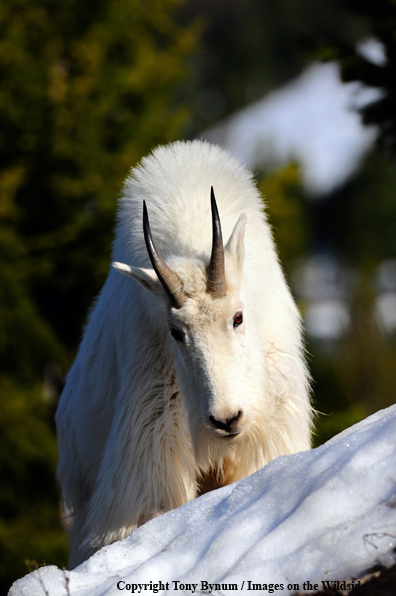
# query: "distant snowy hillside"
(312, 119)
(321, 515)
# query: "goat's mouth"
(224, 434)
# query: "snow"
(373, 50)
(313, 120)
(326, 514)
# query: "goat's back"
(175, 182)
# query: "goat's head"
(205, 317)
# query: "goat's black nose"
(228, 425)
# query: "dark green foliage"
(85, 93)
(378, 20)
(381, 17)
(364, 213)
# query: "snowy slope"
(325, 514)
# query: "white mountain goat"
(190, 375)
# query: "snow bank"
(326, 514)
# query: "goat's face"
(212, 359)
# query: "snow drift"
(323, 515)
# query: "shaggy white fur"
(134, 421)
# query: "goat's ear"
(234, 245)
(146, 277)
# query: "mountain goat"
(190, 375)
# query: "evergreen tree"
(379, 22)
(87, 89)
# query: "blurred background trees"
(86, 89)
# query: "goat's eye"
(238, 319)
(175, 333)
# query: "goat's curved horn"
(168, 278)
(215, 284)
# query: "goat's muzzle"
(227, 427)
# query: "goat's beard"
(229, 458)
